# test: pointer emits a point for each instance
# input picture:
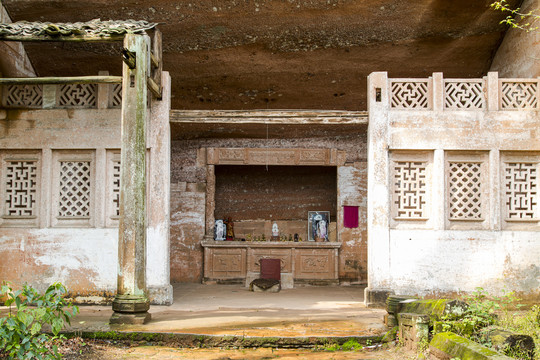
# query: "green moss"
(457, 346)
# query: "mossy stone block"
(448, 345)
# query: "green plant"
(516, 17)
(524, 322)
(332, 347)
(351, 345)
(481, 312)
(21, 335)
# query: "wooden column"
(131, 303)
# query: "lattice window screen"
(21, 188)
(75, 189)
(464, 95)
(78, 95)
(465, 190)
(519, 95)
(28, 96)
(521, 190)
(409, 189)
(116, 188)
(410, 95)
(115, 96)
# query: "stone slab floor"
(234, 310)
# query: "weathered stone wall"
(188, 171)
(517, 57)
(447, 209)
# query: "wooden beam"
(154, 88)
(129, 58)
(62, 80)
(154, 60)
(71, 38)
(156, 52)
(281, 117)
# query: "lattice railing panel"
(116, 188)
(465, 190)
(25, 96)
(409, 189)
(75, 187)
(77, 95)
(115, 96)
(464, 95)
(521, 190)
(410, 95)
(519, 95)
(21, 188)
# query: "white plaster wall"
(427, 257)
(86, 259)
(427, 261)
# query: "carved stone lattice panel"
(521, 190)
(75, 189)
(465, 190)
(519, 95)
(115, 96)
(271, 157)
(227, 263)
(115, 187)
(315, 264)
(410, 94)
(21, 188)
(77, 95)
(409, 189)
(112, 188)
(26, 96)
(275, 156)
(464, 95)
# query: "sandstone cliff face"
(315, 54)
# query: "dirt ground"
(110, 350)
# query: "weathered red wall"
(274, 193)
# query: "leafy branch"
(517, 18)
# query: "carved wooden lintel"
(275, 156)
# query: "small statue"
(275, 232)
(263, 238)
(230, 229)
(219, 230)
(322, 232)
(290, 237)
(300, 239)
(296, 237)
(248, 237)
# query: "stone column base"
(130, 319)
(376, 298)
(130, 304)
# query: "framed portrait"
(318, 224)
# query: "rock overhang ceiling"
(281, 54)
